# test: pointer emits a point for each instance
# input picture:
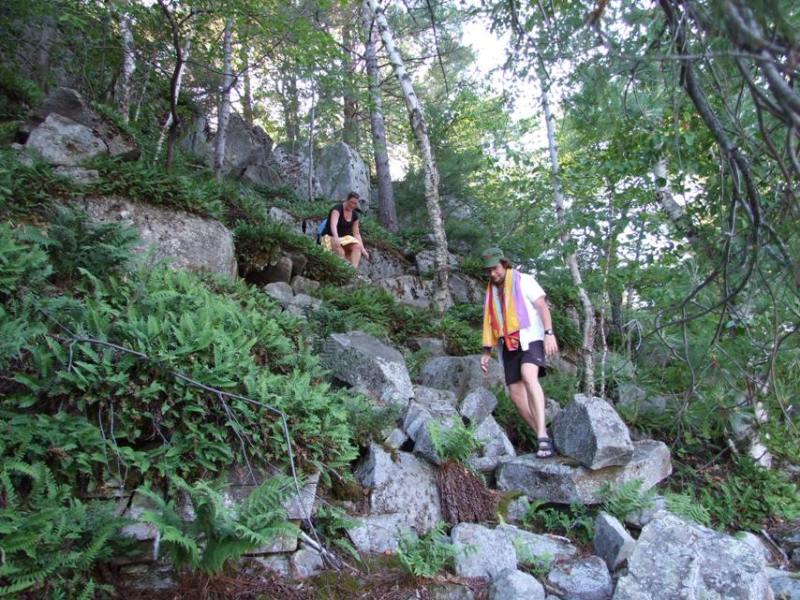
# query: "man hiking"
(517, 320)
(341, 234)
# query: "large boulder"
(245, 145)
(197, 140)
(482, 552)
(538, 545)
(369, 366)
(190, 242)
(70, 104)
(583, 579)
(383, 264)
(62, 141)
(493, 439)
(676, 559)
(289, 167)
(405, 486)
(340, 170)
(466, 289)
(515, 585)
(377, 534)
(460, 374)
(785, 585)
(611, 541)
(590, 431)
(408, 289)
(560, 480)
(478, 404)
(425, 261)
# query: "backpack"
(321, 228)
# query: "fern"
(456, 443)
(626, 499)
(427, 555)
(685, 505)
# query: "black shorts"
(514, 359)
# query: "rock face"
(245, 146)
(538, 544)
(408, 289)
(515, 585)
(382, 264)
(483, 552)
(406, 487)
(460, 374)
(341, 170)
(561, 481)
(583, 579)
(190, 242)
(478, 404)
(369, 366)
(611, 541)
(377, 534)
(288, 167)
(682, 560)
(68, 103)
(465, 289)
(62, 141)
(590, 431)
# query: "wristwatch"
(548, 332)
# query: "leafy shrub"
(624, 500)
(427, 555)
(22, 264)
(456, 443)
(508, 417)
(685, 505)
(17, 93)
(538, 564)
(28, 189)
(459, 337)
(221, 531)
(575, 521)
(51, 540)
(332, 523)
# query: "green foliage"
(50, 540)
(428, 555)
(626, 499)
(28, 189)
(221, 531)
(575, 521)
(332, 523)
(367, 422)
(537, 564)
(508, 418)
(17, 93)
(456, 443)
(22, 264)
(685, 505)
(459, 337)
(749, 495)
(258, 245)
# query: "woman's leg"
(353, 254)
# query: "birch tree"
(224, 112)
(387, 212)
(123, 95)
(442, 299)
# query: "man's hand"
(550, 345)
(485, 362)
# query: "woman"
(341, 234)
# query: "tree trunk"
(442, 299)
(224, 112)
(170, 127)
(247, 94)
(587, 340)
(311, 149)
(128, 64)
(350, 127)
(387, 212)
(290, 102)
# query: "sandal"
(545, 448)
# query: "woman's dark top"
(343, 227)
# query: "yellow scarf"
(500, 321)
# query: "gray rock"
(280, 544)
(383, 264)
(611, 541)
(369, 366)
(432, 346)
(306, 563)
(682, 559)
(377, 534)
(407, 487)
(640, 518)
(559, 480)
(756, 543)
(138, 530)
(62, 141)
(465, 289)
(68, 103)
(340, 170)
(197, 140)
(300, 507)
(551, 409)
(408, 289)
(448, 591)
(395, 439)
(280, 291)
(281, 216)
(425, 260)
(785, 585)
(562, 365)
(795, 558)
(415, 419)
(515, 585)
(158, 575)
(306, 302)
(280, 270)
(277, 564)
(240, 484)
(245, 145)
(493, 439)
(590, 431)
(478, 404)
(482, 552)
(583, 579)
(441, 403)
(484, 464)
(517, 509)
(639, 401)
(287, 167)
(190, 242)
(424, 445)
(301, 285)
(79, 175)
(460, 374)
(538, 545)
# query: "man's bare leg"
(519, 396)
(535, 397)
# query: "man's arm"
(550, 344)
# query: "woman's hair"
(505, 263)
(353, 195)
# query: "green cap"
(491, 257)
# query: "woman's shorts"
(514, 359)
(326, 241)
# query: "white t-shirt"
(531, 292)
